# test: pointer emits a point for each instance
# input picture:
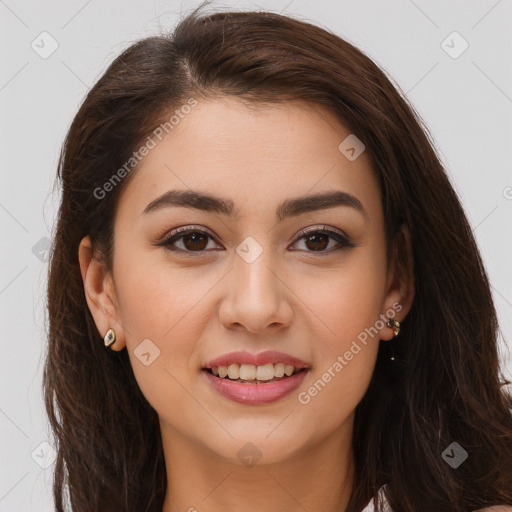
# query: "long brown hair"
(445, 384)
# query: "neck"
(318, 476)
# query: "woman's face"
(248, 280)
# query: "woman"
(256, 227)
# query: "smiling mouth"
(216, 373)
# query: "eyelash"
(179, 233)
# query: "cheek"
(168, 307)
(347, 308)
(344, 365)
(155, 298)
(164, 312)
(347, 301)
(330, 396)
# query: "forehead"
(255, 156)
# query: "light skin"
(300, 296)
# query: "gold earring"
(395, 325)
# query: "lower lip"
(256, 394)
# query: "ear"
(100, 293)
(400, 288)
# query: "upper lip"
(260, 359)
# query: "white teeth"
(265, 372)
(279, 369)
(247, 371)
(252, 372)
(233, 371)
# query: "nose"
(257, 296)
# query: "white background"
(466, 103)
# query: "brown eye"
(317, 240)
(195, 241)
(191, 240)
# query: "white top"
(371, 508)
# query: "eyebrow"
(288, 208)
